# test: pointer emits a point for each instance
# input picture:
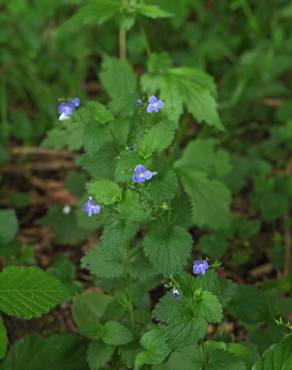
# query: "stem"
(123, 37)
(205, 356)
(288, 244)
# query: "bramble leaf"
(29, 292)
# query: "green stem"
(123, 37)
(205, 356)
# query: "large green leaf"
(277, 357)
(58, 352)
(181, 87)
(29, 292)
(168, 248)
(104, 191)
(156, 348)
(8, 225)
(116, 334)
(210, 199)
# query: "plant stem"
(288, 244)
(205, 356)
(123, 38)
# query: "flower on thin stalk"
(154, 104)
(142, 174)
(200, 267)
(91, 207)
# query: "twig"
(261, 270)
(38, 166)
(18, 151)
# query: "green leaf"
(8, 225)
(157, 139)
(138, 265)
(87, 310)
(156, 348)
(207, 305)
(118, 231)
(151, 11)
(125, 167)
(3, 339)
(201, 155)
(119, 81)
(186, 358)
(210, 200)
(181, 87)
(277, 357)
(58, 352)
(99, 354)
(257, 308)
(168, 248)
(104, 191)
(163, 188)
(223, 360)
(214, 245)
(95, 12)
(29, 292)
(116, 334)
(132, 209)
(104, 261)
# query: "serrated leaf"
(119, 231)
(104, 261)
(138, 265)
(33, 352)
(156, 348)
(223, 360)
(151, 11)
(186, 358)
(119, 81)
(100, 165)
(163, 188)
(210, 200)
(208, 307)
(95, 12)
(116, 334)
(99, 354)
(132, 208)
(8, 225)
(157, 139)
(201, 155)
(277, 357)
(87, 309)
(168, 248)
(104, 191)
(181, 87)
(125, 166)
(29, 292)
(3, 339)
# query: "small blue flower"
(75, 102)
(131, 148)
(141, 174)
(65, 111)
(175, 293)
(200, 267)
(90, 207)
(138, 102)
(154, 104)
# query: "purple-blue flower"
(65, 110)
(138, 102)
(75, 102)
(200, 267)
(175, 293)
(154, 104)
(141, 174)
(91, 207)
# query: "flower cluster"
(154, 104)
(91, 207)
(65, 110)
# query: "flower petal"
(159, 104)
(148, 175)
(139, 169)
(152, 99)
(149, 108)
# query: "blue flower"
(154, 104)
(74, 103)
(65, 111)
(141, 174)
(90, 207)
(131, 148)
(138, 102)
(175, 293)
(200, 267)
